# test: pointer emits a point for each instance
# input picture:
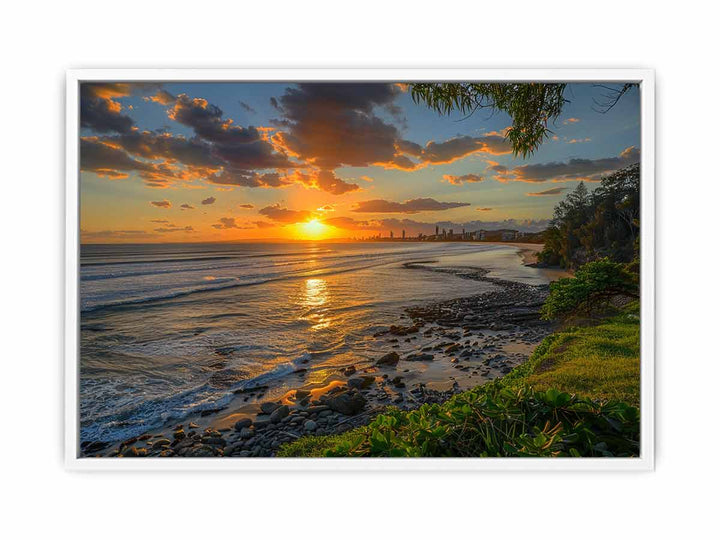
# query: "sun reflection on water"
(314, 296)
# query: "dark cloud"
(160, 221)
(573, 169)
(226, 223)
(333, 124)
(193, 153)
(99, 110)
(460, 147)
(247, 107)
(207, 121)
(284, 215)
(187, 207)
(486, 209)
(412, 206)
(547, 192)
(460, 180)
(209, 200)
(246, 206)
(245, 178)
(263, 224)
(162, 204)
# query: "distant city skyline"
(197, 162)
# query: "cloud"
(465, 178)
(284, 215)
(161, 204)
(326, 208)
(263, 224)
(226, 223)
(547, 192)
(333, 124)
(578, 141)
(247, 108)
(408, 207)
(460, 147)
(159, 221)
(573, 169)
(245, 178)
(209, 200)
(186, 206)
(99, 110)
(246, 206)
(483, 209)
(571, 121)
(187, 229)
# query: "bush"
(497, 421)
(594, 284)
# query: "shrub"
(594, 283)
(498, 421)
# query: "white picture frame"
(644, 77)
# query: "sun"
(314, 229)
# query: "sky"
(219, 161)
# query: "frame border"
(646, 461)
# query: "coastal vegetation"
(587, 225)
(577, 395)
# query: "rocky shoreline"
(465, 342)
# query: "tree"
(531, 106)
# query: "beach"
(469, 326)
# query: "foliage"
(535, 410)
(593, 285)
(604, 223)
(499, 421)
(530, 105)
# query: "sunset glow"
(206, 162)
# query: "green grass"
(575, 396)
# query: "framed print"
(360, 269)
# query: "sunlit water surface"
(171, 330)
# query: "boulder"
(310, 425)
(279, 413)
(241, 424)
(390, 359)
(268, 407)
(348, 403)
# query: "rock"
(348, 403)
(202, 450)
(301, 394)
(279, 413)
(310, 425)
(246, 433)
(420, 358)
(161, 442)
(390, 359)
(241, 424)
(95, 446)
(179, 435)
(193, 425)
(349, 370)
(261, 423)
(452, 348)
(268, 407)
(361, 382)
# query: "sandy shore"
(447, 347)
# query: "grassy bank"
(575, 396)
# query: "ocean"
(170, 330)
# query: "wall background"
(41, 40)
